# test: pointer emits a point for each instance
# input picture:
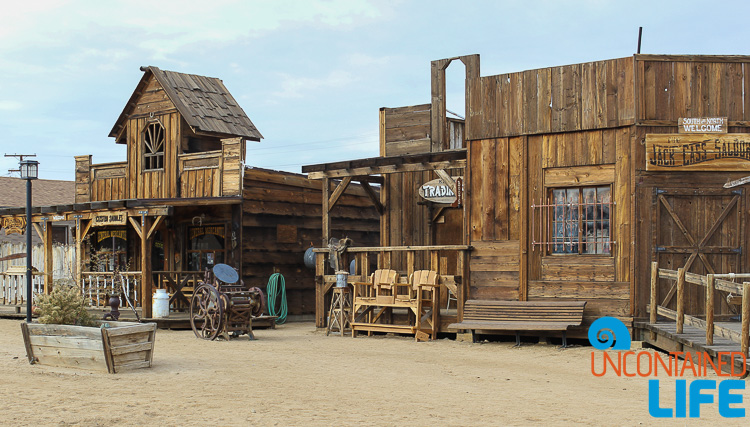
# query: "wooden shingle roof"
(204, 102)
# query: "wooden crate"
(119, 346)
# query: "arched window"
(153, 146)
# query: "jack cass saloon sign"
(698, 151)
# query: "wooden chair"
(425, 287)
(385, 283)
(368, 296)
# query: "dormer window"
(153, 146)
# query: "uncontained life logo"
(613, 356)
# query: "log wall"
(282, 218)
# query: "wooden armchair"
(380, 288)
(425, 285)
(384, 282)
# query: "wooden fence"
(13, 286)
(712, 284)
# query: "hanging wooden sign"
(702, 125)
(437, 191)
(459, 193)
(101, 219)
(698, 152)
(14, 224)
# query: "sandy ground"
(295, 375)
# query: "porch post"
(48, 261)
(326, 211)
(146, 279)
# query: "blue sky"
(310, 74)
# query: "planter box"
(122, 345)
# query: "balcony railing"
(108, 181)
(97, 286)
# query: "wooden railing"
(712, 283)
(200, 174)
(434, 261)
(13, 288)
(96, 286)
(179, 286)
(108, 181)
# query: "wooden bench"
(520, 316)
(374, 301)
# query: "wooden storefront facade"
(559, 201)
(184, 200)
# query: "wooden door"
(701, 231)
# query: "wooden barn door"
(701, 231)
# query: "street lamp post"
(29, 171)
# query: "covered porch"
(415, 233)
(142, 244)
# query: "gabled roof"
(44, 192)
(204, 103)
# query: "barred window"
(153, 146)
(574, 220)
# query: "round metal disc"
(226, 274)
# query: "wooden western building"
(184, 200)
(575, 179)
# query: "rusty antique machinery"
(221, 305)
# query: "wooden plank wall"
(200, 182)
(108, 181)
(550, 100)
(496, 169)
(506, 175)
(573, 159)
(695, 86)
(405, 130)
(670, 87)
(159, 183)
(282, 217)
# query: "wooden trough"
(121, 345)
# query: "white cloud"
(10, 106)
(163, 27)
(296, 87)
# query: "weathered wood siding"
(671, 87)
(405, 130)
(108, 181)
(160, 183)
(282, 218)
(699, 201)
(507, 175)
(575, 97)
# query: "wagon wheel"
(206, 312)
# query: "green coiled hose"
(277, 288)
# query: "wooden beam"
(326, 211)
(146, 279)
(680, 299)
(38, 230)
(338, 192)
(373, 197)
(710, 288)
(154, 226)
(654, 296)
(406, 167)
(136, 226)
(745, 341)
(48, 255)
(447, 179)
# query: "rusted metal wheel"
(206, 312)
